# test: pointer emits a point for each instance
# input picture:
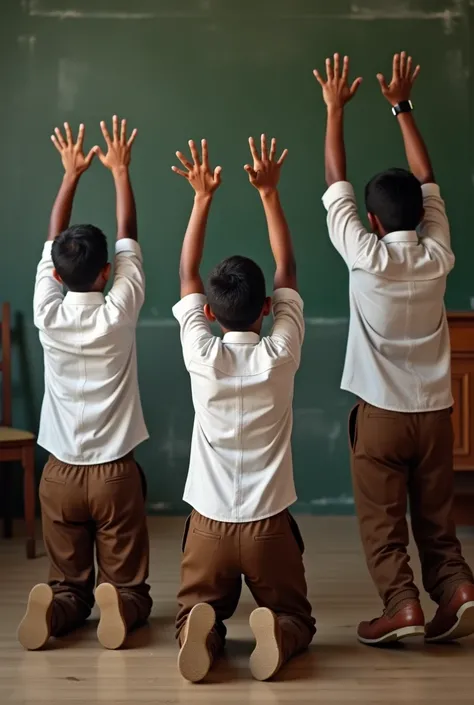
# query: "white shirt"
(241, 466)
(398, 350)
(91, 409)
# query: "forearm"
(335, 152)
(280, 241)
(193, 246)
(415, 148)
(126, 210)
(62, 208)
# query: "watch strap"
(405, 106)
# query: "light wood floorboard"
(336, 670)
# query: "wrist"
(119, 172)
(71, 177)
(269, 193)
(203, 198)
(335, 111)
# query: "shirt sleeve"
(346, 230)
(434, 231)
(127, 293)
(48, 294)
(195, 328)
(288, 324)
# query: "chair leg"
(28, 459)
(5, 495)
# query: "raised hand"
(265, 172)
(336, 89)
(199, 173)
(72, 155)
(403, 77)
(119, 149)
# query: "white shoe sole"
(112, 629)
(35, 627)
(194, 660)
(266, 658)
(396, 635)
(464, 626)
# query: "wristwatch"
(405, 106)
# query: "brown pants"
(396, 458)
(99, 506)
(269, 555)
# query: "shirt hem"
(389, 407)
(102, 461)
(226, 520)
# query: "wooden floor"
(336, 670)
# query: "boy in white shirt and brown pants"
(92, 490)
(240, 482)
(398, 364)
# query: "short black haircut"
(395, 197)
(79, 255)
(236, 292)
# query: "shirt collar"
(241, 338)
(84, 298)
(401, 236)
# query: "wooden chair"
(15, 445)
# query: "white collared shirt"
(240, 466)
(398, 350)
(91, 409)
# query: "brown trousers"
(101, 507)
(401, 461)
(268, 553)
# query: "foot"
(194, 660)
(455, 619)
(35, 627)
(267, 656)
(112, 629)
(409, 621)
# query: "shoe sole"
(464, 626)
(35, 628)
(396, 635)
(266, 657)
(194, 660)
(112, 629)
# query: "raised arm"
(117, 160)
(397, 92)
(336, 93)
(204, 182)
(264, 175)
(75, 164)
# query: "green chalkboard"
(223, 70)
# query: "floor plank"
(336, 670)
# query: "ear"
(267, 306)
(106, 271)
(373, 223)
(208, 313)
(57, 277)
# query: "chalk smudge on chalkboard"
(342, 500)
(317, 424)
(27, 42)
(70, 76)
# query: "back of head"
(79, 255)
(236, 293)
(395, 197)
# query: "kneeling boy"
(240, 481)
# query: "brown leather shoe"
(454, 620)
(407, 622)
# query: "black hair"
(236, 292)
(79, 255)
(395, 197)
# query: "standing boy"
(91, 421)
(240, 482)
(398, 364)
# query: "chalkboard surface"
(223, 70)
